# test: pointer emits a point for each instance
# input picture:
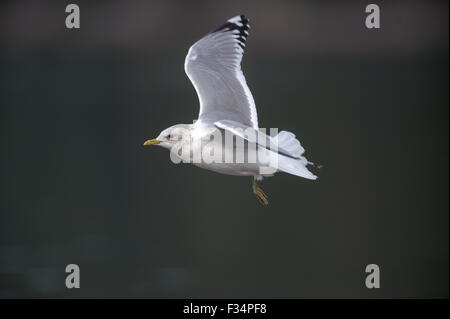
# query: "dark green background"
(77, 186)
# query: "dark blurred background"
(77, 186)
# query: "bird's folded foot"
(259, 193)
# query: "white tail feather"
(295, 166)
(288, 143)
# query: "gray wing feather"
(252, 135)
(213, 64)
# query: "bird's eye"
(168, 136)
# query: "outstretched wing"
(213, 64)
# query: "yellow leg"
(259, 193)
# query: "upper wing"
(213, 64)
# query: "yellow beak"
(152, 142)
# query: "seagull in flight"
(213, 64)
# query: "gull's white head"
(172, 135)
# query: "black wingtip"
(239, 23)
(244, 19)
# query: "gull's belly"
(239, 159)
(237, 169)
(248, 166)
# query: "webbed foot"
(259, 193)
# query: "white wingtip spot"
(236, 19)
